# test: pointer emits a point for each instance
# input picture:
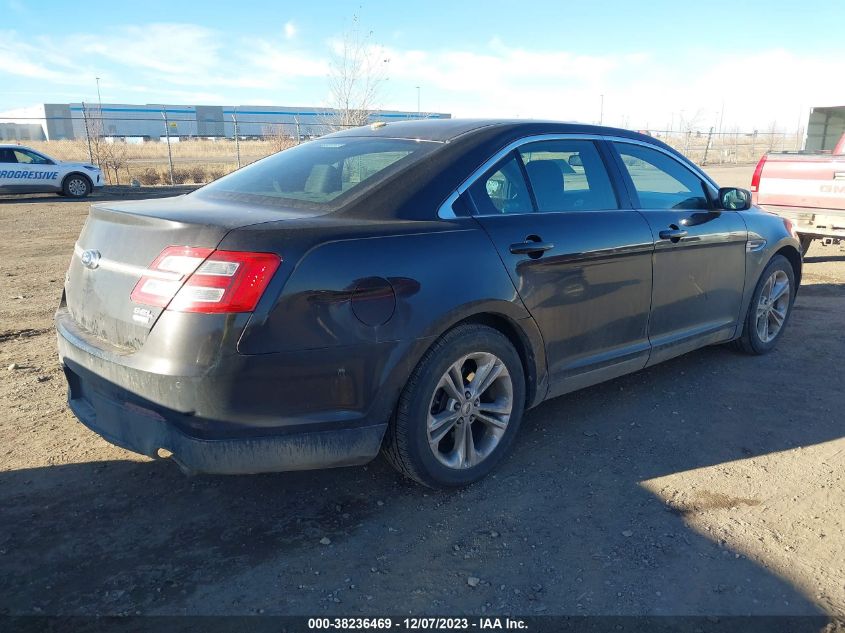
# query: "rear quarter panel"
(437, 273)
(410, 280)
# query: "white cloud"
(18, 55)
(639, 88)
(192, 63)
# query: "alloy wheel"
(470, 410)
(772, 306)
(77, 187)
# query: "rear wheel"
(771, 305)
(460, 410)
(76, 186)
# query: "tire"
(806, 240)
(76, 186)
(753, 340)
(455, 460)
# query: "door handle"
(672, 234)
(531, 248)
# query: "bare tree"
(278, 136)
(93, 120)
(688, 126)
(114, 157)
(775, 136)
(356, 79)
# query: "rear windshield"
(322, 173)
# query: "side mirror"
(734, 199)
(575, 160)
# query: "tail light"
(755, 179)
(186, 279)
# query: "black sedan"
(408, 287)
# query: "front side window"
(661, 181)
(568, 175)
(30, 158)
(321, 173)
(502, 190)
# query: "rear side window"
(321, 173)
(568, 175)
(7, 156)
(661, 181)
(502, 189)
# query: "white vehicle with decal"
(24, 170)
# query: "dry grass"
(222, 150)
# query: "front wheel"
(76, 186)
(460, 410)
(771, 305)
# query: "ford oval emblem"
(90, 259)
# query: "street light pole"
(167, 136)
(419, 111)
(100, 106)
(601, 111)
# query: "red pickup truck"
(806, 187)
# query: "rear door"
(580, 260)
(699, 252)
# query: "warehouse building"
(55, 121)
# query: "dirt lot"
(712, 484)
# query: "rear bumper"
(146, 431)
(236, 414)
(811, 221)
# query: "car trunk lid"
(119, 242)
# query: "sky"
(652, 64)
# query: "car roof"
(446, 130)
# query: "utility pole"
(721, 117)
(707, 147)
(601, 111)
(419, 111)
(237, 140)
(167, 136)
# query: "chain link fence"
(166, 150)
(176, 154)
(728, 148)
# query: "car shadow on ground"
(106, 194)
(564, 526)
(820, 290)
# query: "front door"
(579, 260)
(699, 252)
(25, 171)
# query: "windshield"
(320, 173)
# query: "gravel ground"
(711, 484)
